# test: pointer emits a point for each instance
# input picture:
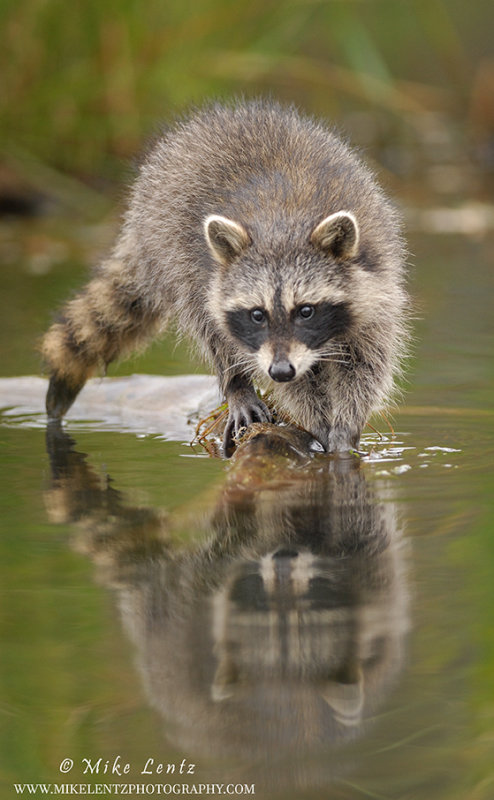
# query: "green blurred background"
(85, 85)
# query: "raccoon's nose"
(281, 371)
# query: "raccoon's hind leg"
(107, 319)
(244, 408)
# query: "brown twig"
(201, 436)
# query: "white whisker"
(335, 348)
(333, 361)
(241, 363)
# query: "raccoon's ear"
(226, 238)
(338, 234)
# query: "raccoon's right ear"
(226, 238)
(338, 234)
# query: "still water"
(318, 628)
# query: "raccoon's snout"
(281, 371)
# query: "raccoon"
(269, 243)
(270, 624)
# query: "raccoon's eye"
(257, 315)
(306, 312)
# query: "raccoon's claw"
(60, 396)
(242, 413)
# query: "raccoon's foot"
(341, 439)
(60, 396)
(244, 407)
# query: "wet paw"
(342, 440)
(243, 411)
(60, 396)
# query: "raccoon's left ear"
(338, 234)
(226, 238)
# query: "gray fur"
(277, 176)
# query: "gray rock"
(138, 403)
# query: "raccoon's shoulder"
(245, 136)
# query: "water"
(320, 630)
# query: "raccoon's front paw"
(342, 439)
(244, 409)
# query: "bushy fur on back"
(253, 208)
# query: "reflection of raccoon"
(271, 245)
(283, 631)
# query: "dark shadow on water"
(269, 638)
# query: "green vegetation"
(83, 87)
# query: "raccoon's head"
(287, 309)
